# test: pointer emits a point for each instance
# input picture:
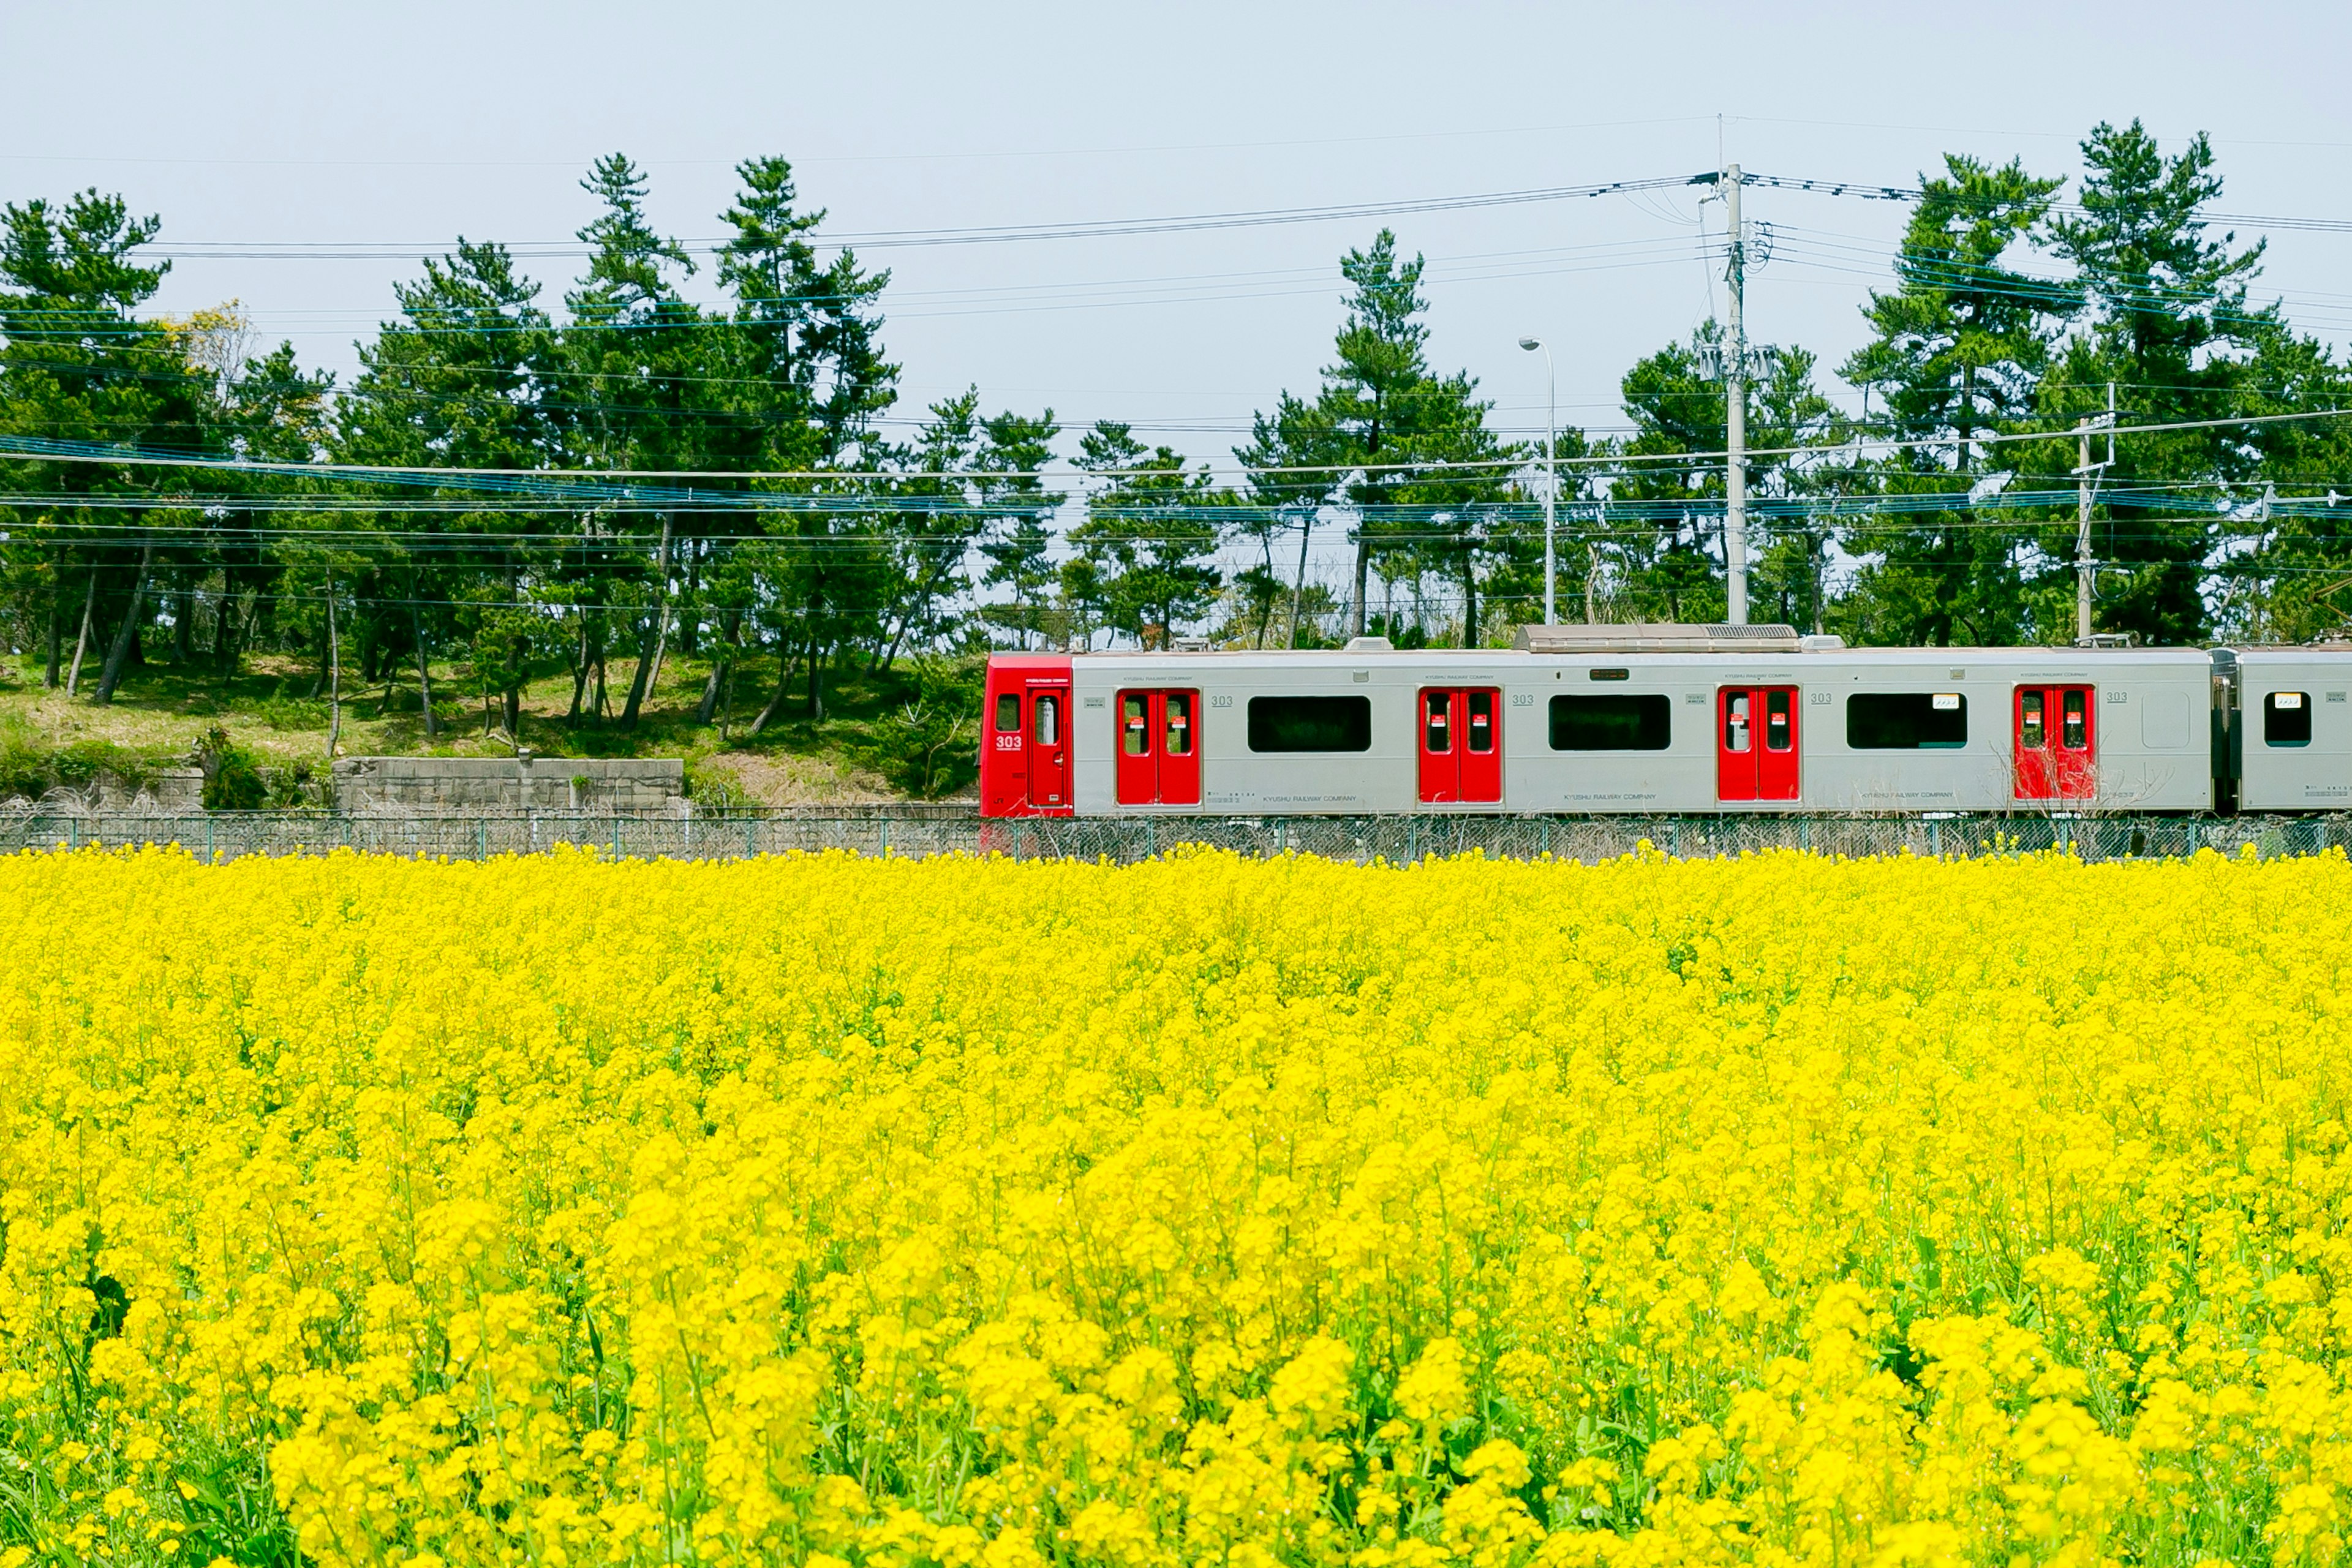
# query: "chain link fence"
(919, 831)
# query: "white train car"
(2291, 749)
(1600, 720)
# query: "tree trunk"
(721, 661)
(776, 703)
(1469, 603)
(1298, 592)
(579, 673)
(1363, 579)
(689, 625)
(225, 624)
(55, 638)
(112, 675)
(816, 682)
(928, 590)
(334, 677)
(657, 630)
(661, 651)
(423, 674)
(82, 639)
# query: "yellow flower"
(985, 1213)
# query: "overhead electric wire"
(991, 234)
(44, 451)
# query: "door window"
(1048, 731)
(2286, 718)
(1777, 734)
(1135, 725)
(1179, 723)
(2073, 731)
(1481, 707)
(2031, 730)
(1736, 737)
(1440, 706)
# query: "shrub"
(928, 748)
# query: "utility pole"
(2086, 473)
(1735, 408)
(1551, 480)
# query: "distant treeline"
(748, 495)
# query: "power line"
(42, 450)
(994, 234)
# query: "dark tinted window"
(2286, 718)
(1643, 722)
(1008, 714)
(1906, 720)
(1310, 724)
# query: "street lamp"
(1551, 478)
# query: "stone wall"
(431, 785)
(171, 791)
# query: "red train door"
(1159, 748)
(2056, 743)
(1461, 745)
(1049, 748)
(1025, 743)
(1757, 751)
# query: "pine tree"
(1149, 534)
(1959, 346)
(2169, 324)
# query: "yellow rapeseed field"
(836, 1211)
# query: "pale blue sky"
(415, 123)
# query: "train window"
(1905, 720)
(1776, 719)
(1135, 725)
(1008, 713)
(1179, 723)
(2286, 718)
(1735, 724)
(1310, 724)
(1049, 713)
(1643, 722)
(1482, 720)
(2029, 727)
(2072, 733)
(1440, 710)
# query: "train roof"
(1680, 642)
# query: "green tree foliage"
(1958, 347)
(758, 507)
(1366, 441)
(80, 366)
(468, 375)
(2168, 323)
(1150, 534)
(1667, 563)
(1017, 537)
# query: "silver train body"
(1676, 720)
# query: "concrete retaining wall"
(434, 785)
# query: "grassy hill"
(274, 712)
